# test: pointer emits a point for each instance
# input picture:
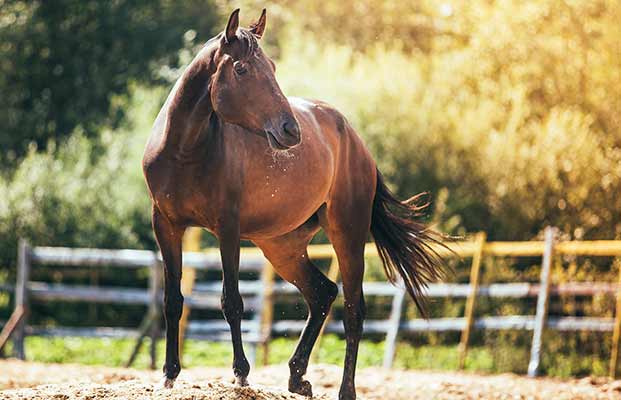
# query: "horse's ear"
(231, 26)
(258, 27)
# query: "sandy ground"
(23, 380)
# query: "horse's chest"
(183, 198)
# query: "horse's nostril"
(291, 128)
(286, 127)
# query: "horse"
(230, 153)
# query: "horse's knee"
(173, 307)
(232, 306)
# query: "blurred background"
(508, 112)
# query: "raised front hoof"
(301, 387)
(165, 383)
(241, 381)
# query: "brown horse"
(230, 153)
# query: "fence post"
(542, 302)
(267, 309)
(9, 327)
(392, 330)
(475, 269)
(191, 242)
(155, 286)
(150, 323)
(21, 297)
(616, 336)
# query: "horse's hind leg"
(350, 256)
(347, 221)
(289, 257)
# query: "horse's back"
(353, 164)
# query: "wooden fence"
(265, 290)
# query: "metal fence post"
(392, 330)
(542, 303)
(475, 269)
(21, 297)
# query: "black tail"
(403, 244)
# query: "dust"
(281, 155)
(136, 389)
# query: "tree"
(63, 62)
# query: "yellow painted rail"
(478, 248)
(611, 248)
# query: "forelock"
(249, 40)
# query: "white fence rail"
(206, 295)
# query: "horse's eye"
(239, 68)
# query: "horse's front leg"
(169, 237)
(232, 304)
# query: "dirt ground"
(24, 380)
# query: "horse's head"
(243, 87)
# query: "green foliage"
(82, 193)
(62, 62)
(511, 121)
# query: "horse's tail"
(405, 245)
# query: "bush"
(511, 121)
(62, 62)
(82, 193)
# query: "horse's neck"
(189, 111)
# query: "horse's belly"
(274, 222)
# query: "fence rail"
(260, 295)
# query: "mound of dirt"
(24, 380)
(136, 389)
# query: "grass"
(489, 359)
(114, 352)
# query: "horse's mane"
(213, 40)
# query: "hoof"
(241, 381)
(301, 387)
(166, 383)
